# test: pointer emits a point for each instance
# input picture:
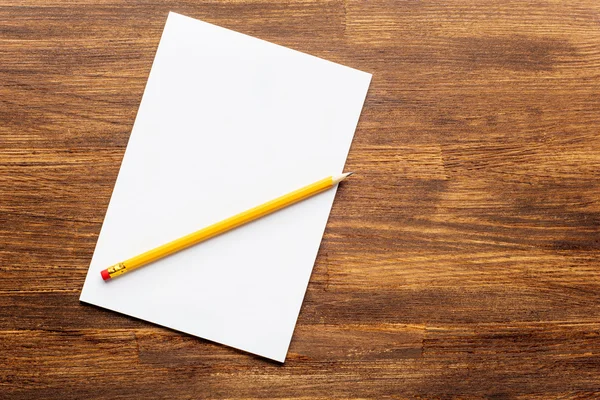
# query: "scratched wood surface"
(462, 260)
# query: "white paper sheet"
(226, 122)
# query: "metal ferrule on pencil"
(113, 271)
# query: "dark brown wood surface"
(462, 260)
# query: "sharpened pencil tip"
(339, 178)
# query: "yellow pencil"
(222, 227)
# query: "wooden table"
(462, 261)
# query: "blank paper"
(226, 122)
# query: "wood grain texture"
(461, 261)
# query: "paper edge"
(177, 15)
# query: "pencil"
(222, 226)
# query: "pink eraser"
(105, 274)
